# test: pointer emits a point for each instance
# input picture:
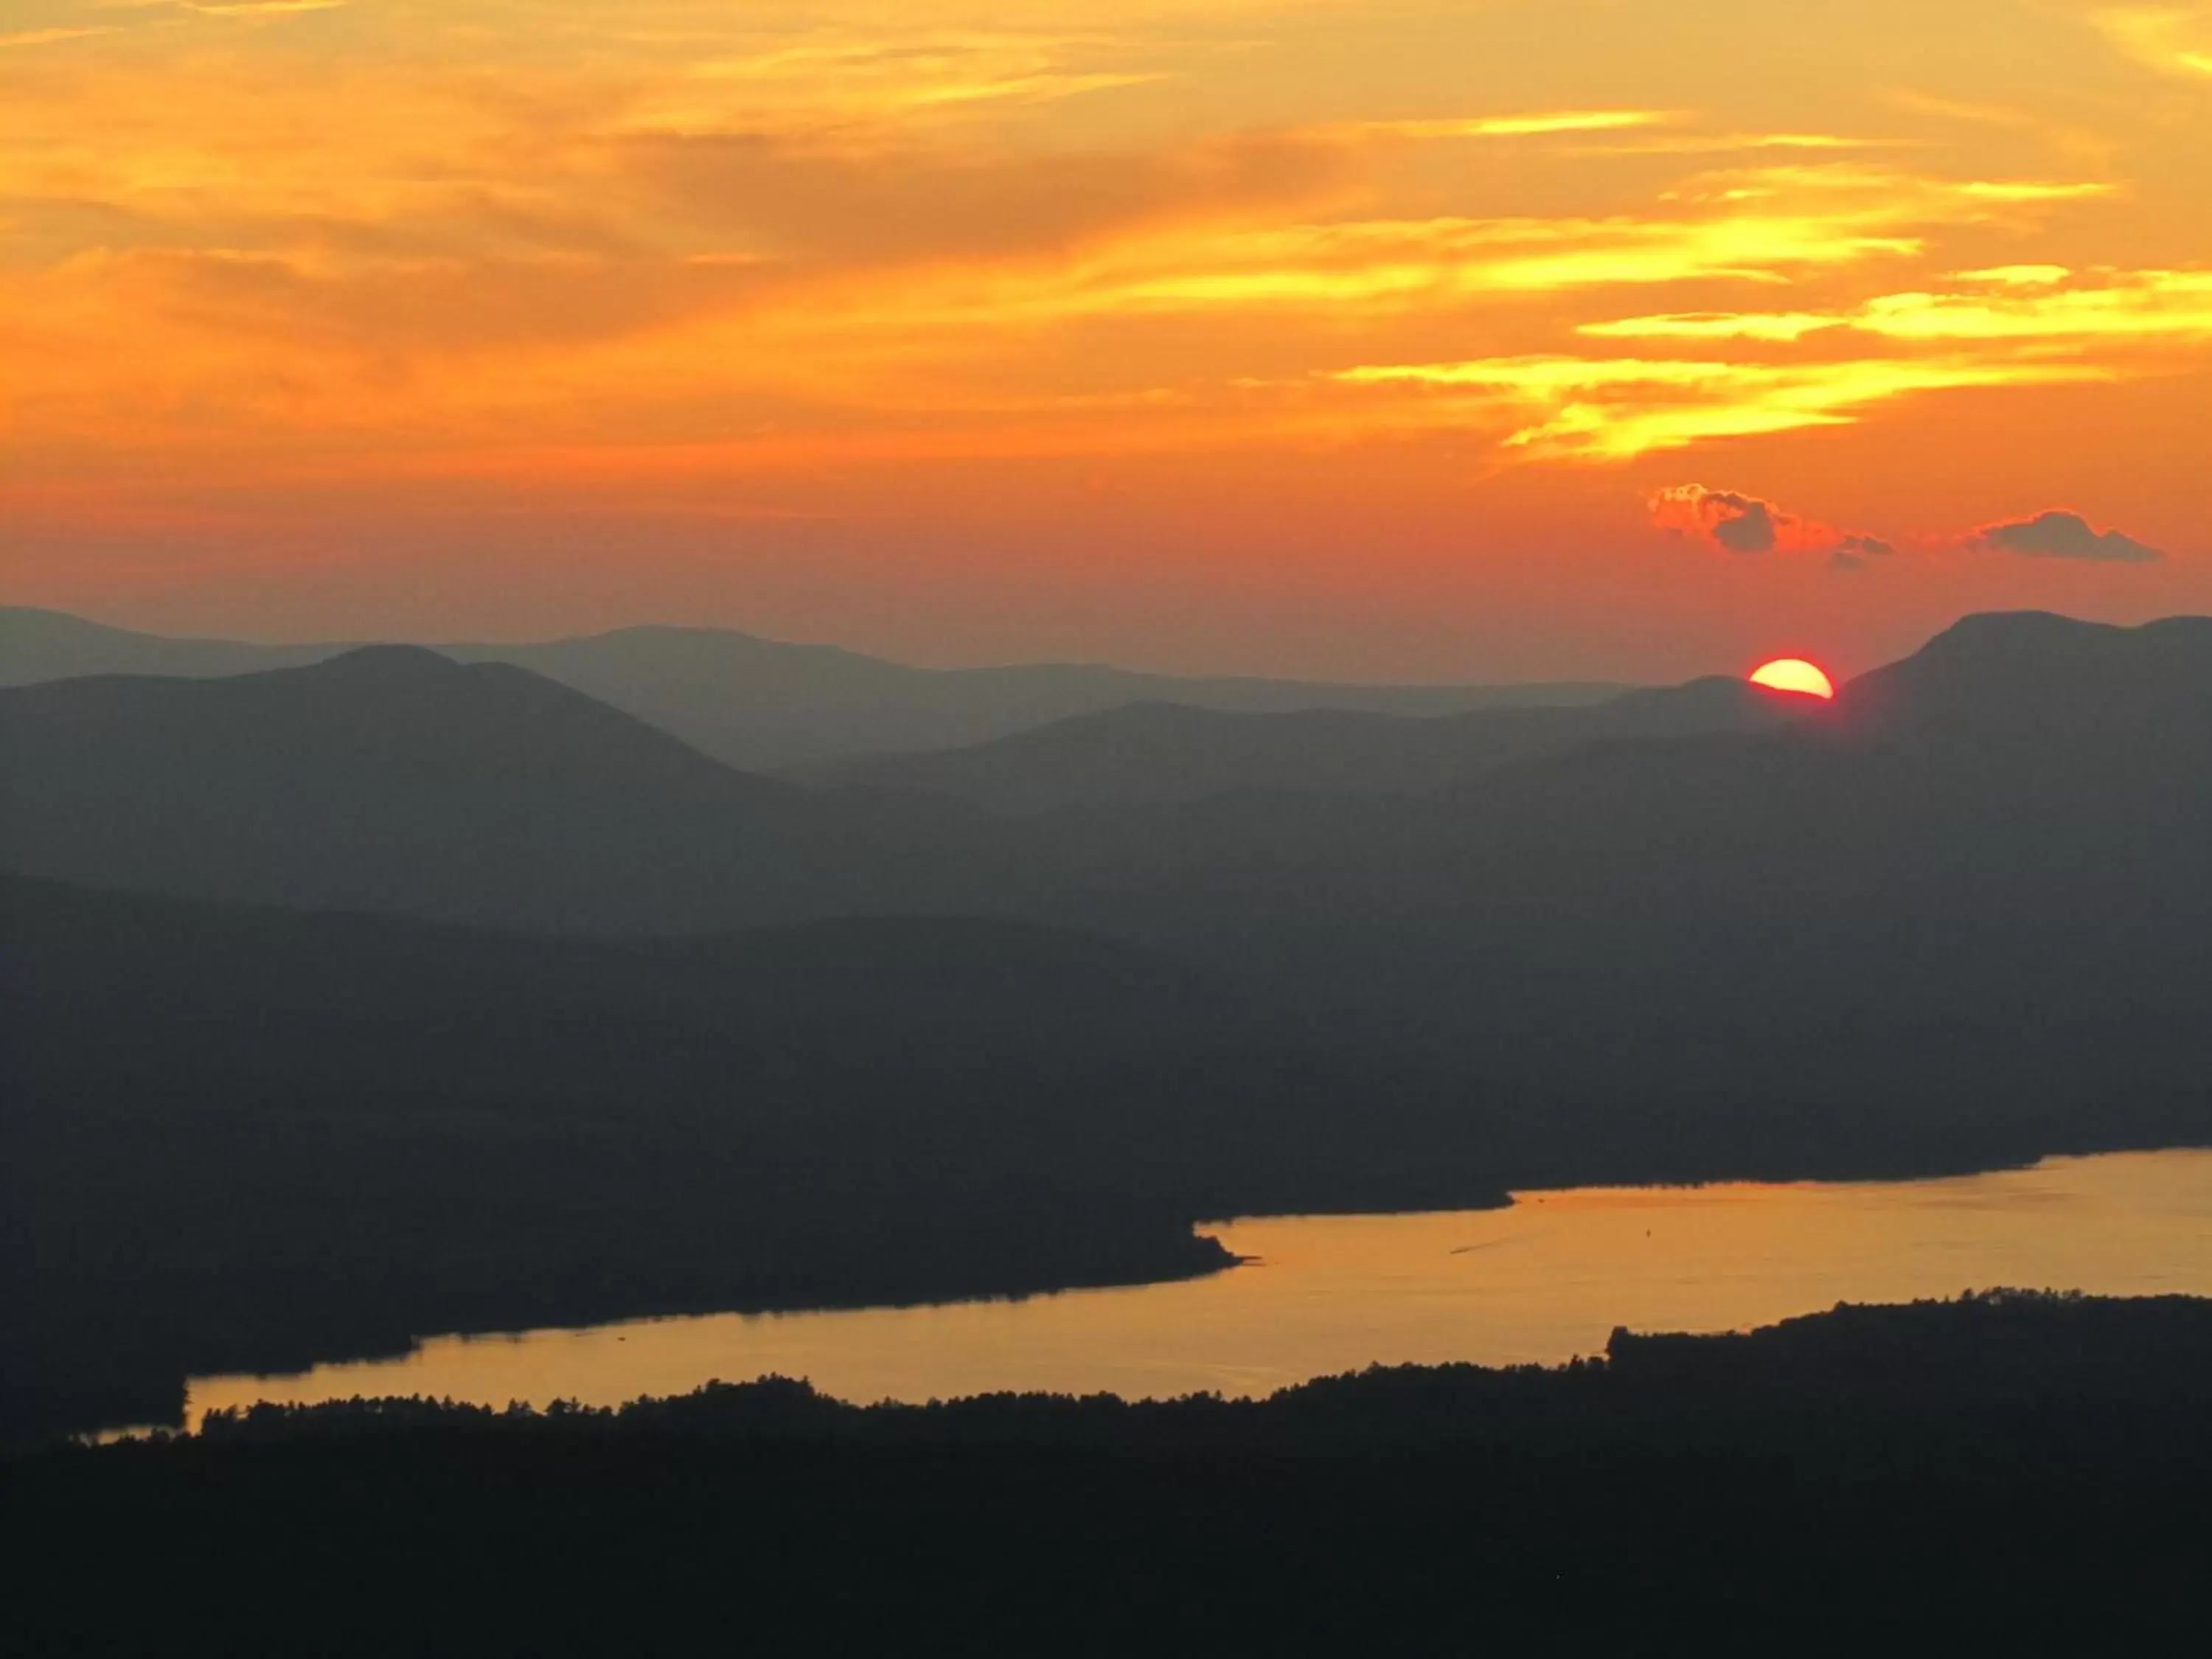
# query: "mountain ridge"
(758, 703)
(392, 778)
(1160, 754)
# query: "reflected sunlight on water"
(1543, 1280)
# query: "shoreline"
(1210, 1259)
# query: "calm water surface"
(1543, 1280)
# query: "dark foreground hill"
(237, 1139)
(2006, 1473)
(1156, 754)
(757, 703)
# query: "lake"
(1543, 1280)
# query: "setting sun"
(1177, 333)
(1794, 674)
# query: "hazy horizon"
(1840, 669)
(652, 624)
(1228, 335)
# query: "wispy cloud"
(1616, 409)
(2177, 39)
(257, 8)
(1536, 124)
(1765, 225)
(1733, 522)
(2175, 304)
(1769, 325)
(2063, 535)
(1725, 143)
(833, 229)
(2010, 303)
(51, 36)
(834, 76)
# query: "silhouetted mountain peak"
(381, 663)
(1998, 639)
(2001, 642)
(397, 676)
(39, 645)
(13, 617)
(2030, 672)
(682, 643)
(393, 778)
(490, 702)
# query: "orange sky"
(1496, 338)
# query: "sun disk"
(1793, 674)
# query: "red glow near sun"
(1793, 674)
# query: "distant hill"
(1156, 754)
(1976, 891)
(2025, 801)
(759, 704)
(1972, 896)
(393, 779)
(36, 646)
(2044, 681)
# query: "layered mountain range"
(760, 703)
(387, 993)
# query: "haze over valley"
(620, 1029)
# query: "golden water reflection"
(1545, 1280)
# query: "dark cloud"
(1725, 518)
(1745, 527)
(1737, 523)
(2058, 535)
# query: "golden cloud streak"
(2017, 276)
(2151, 304)
(1616, 409)
(1733, 142)
(834, 233)
(49, 37)
(868, 75)
(1807, 219)
(2177, 40)
(2175, 305)
(1786, 325)
(1537, 125)
(257, 8)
